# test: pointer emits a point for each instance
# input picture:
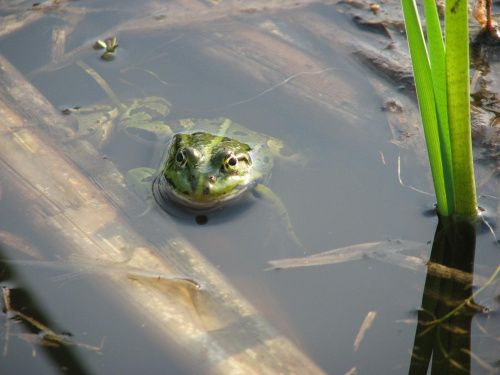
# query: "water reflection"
(444, 330)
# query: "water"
(347, 194)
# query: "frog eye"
(181, 157)
(188, 156)
(231, 162)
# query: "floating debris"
(109, 44)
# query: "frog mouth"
(205, 201)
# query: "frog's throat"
(170, 194)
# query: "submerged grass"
(441, 73)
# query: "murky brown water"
(347, 194)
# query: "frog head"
(202, 170)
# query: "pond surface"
(347, 193)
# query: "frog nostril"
(211, 179)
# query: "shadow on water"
(56, 349)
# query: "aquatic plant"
(441, 70)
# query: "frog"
(214, 163)
(207, 164)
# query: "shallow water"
(347, 194)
